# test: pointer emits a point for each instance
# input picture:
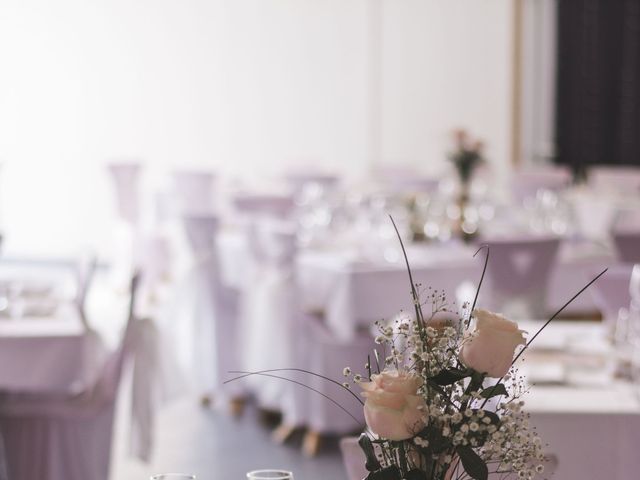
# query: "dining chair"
(518, 272)
(66, 438)
(213, 316)
(194, 191)
(270, 310)
(611, 293)
(327, 356)
(627, 245)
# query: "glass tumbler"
(269, 474)
(173, 476)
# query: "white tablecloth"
(48, 355)
(329, 279)
(589, 424)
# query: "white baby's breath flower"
(421, 442)
(346, 372)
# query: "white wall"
(446, 64)
(242, 86)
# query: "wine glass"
(173, 476)
(269, 474)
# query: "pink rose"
(393, 408)
(491, 347)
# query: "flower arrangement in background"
(467, 156)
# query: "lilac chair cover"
(215, 310)
(154, 261)
(194, 191)
(519, 271)
(611, 292)
(270, 312)
(627, 245)
(326, 355)
(65, 438)
(353, 458)
(126, 181)
(527, 183)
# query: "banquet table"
(587, 419)
(50, 355)
(44, 346)
(334, 280)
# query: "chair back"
(353, 458)
(194, 191)
(627, 245)
(611, 292)
(519, 269)
(328, 355)
(125, 175)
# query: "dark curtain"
(598, 83)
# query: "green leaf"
(449, 376)
(493, 391)
(389, 473)
(372, 464)
(476, 382)
(472, 463)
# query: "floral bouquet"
(443, 401)
(446, 399)
(467, 155)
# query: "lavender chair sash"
(520, 268)
(627, 245)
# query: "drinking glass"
(173, 476)
(269, 475)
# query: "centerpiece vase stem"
(462, 202)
